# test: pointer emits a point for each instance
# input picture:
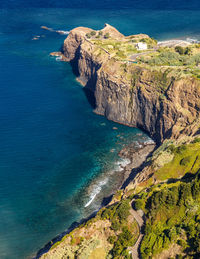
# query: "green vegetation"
(88, 35)
(119, 50)
(164, 59)
(106, 36)
(125, 239)
(117, 213)
(126, 234)
(93, 33)
(172, 215)
(171, 207)
(178, 61)
(183, 51)
(186, 159)
(139, 204)
(184, 61)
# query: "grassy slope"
(172, 207)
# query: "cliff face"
(131, 94)
(167, 106)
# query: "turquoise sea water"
(55, 154)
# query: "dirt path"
(140, 221)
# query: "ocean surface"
(56, 156)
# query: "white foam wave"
(138, 145)
(149, 142)
(96, 189)
(62, 32)
(59, 58)
(120, 165)
(90, 201)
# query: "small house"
(141, 46)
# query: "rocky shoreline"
(137, 156)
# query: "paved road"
(133, 57)
(140, 221)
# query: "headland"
(136, 81)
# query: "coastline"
(135, 157)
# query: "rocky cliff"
(133, 94)
(165, 103)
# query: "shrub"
(182, 243)
(185, 161)
(116, 225)
(171, 148)
(88, 35)
(112, 239)
(120, 54)
(165, 58)
(108, 213)
(106, 36)
(73, 240)
(124, 241)
(139, 204)
(100, 33)
(196, 140)
(188, 51)
(183, 51)
(172, 233)
(93, 33)
(180, 50)
(122, 210)
(181, 149)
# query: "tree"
(93, 33)
(180, 50)
(88, 35)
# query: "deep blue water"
(54, 152)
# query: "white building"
(141, 46)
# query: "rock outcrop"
(131, 94)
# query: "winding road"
(140, 221)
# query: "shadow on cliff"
(90, 86)
(90, 97)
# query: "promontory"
(155, 86)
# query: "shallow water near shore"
(56, 156)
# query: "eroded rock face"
(132, 95)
